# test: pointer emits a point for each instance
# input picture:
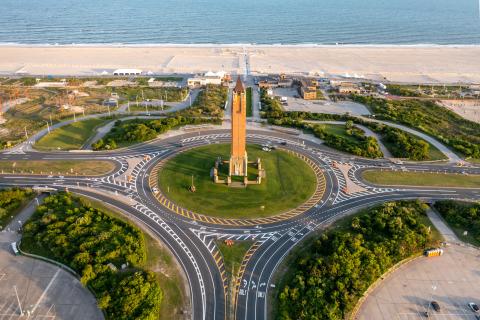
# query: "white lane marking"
(45, 291)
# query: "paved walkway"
(16, 224)
(444, 229)
(452, 157)
(451, 279)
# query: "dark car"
(473, 306)
(435, 306)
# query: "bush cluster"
(10, 200)
(96, 245)
(139, 130)
(445, 125)
(210, 102)
(462, 216)
(334, 270)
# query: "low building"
(348, 88)
(308, 90)
(127, 72)
(216, 78)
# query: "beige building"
(348, 88)
(308, 90)
(216, 78)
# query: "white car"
(473, 306)
(266, 149)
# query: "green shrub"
(96, 245)
(336, 268)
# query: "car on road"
(155, 190)
(473, 306)
(435, 306)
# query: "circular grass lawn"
(289, 182)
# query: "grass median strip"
(424, 179)
(249, 102)
(57, 167)
(70, 137)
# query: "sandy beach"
(409, 64)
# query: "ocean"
(271, 22)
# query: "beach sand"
(409, 64)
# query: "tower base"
(238, 166)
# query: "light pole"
(18, 300)
(48, 126)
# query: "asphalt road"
(191, 241)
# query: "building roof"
(127, 71)
(239, 86)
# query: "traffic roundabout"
(293, 183)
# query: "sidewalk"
(16, 224)
(442, 227)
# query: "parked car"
(473, 306)
(435, 306)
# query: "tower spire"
(239, 88)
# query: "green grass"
(289, 182)
(421, 179)
(339, 130)
(57, 167)
(473, 160)
(469, 238)
(160, 261)
(320, 95)
(433, 153)
(249, 98)
(233, 255)
(70, 137)
(11, 214)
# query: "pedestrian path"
(442, 227)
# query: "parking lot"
(319, 106)
(44, 291)
(453, 280)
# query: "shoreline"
(232, 45)
(384, 63)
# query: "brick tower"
(238, 154)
